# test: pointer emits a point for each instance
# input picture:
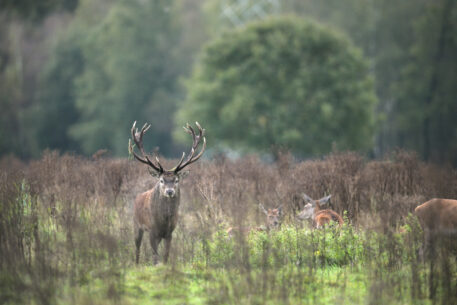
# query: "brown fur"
(312, 210)
(438, 218)
(438, 215)
(158, 214)
(324, 217)
(273, 218)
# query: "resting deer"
(273, 221)
(274, 216)
(438, 218)
(156, 210)
(312, 210)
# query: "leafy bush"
(291, 83)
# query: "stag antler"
(196, 141)
(138, 139)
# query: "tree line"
(311, 76)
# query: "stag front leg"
(167, 248)
(138, 237)
(155, 241)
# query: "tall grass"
(66, 233)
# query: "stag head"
(168, 179)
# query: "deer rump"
(438, 216)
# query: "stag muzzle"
(170, 193)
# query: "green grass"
(79, 263)
(289, 266)
(165, 285)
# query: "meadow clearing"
(66, 233)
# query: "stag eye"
(161, 180)
(176, 180)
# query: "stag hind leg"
(138, 237)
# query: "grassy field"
(66, 234)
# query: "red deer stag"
(156, 210)
(312, 210)
(438, 218)
(273, 221)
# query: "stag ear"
(307, 198)
(153, 173)
(183, 174)
(324, 200)
(262, 208)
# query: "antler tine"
(131, 150)
(143, 131)
(201, 151)
(180, 161)
(189, 130)
(196, 140)
(138, 139)
(200, 129)
(158, 163)
(201, 133)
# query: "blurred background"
(306, 76)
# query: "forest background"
(75, 74)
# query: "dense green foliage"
(427, 107)
(63, 64)
(410, 46)
(283, 83)
(36, 10)
(55, 110)
(128, 75)
(112, 65)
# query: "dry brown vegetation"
(88, 207)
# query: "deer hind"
(274, 216)
(438, 218)
(313, 211)
(273, 221)
(156, 210)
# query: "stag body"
(156, 210)
(312, 210)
